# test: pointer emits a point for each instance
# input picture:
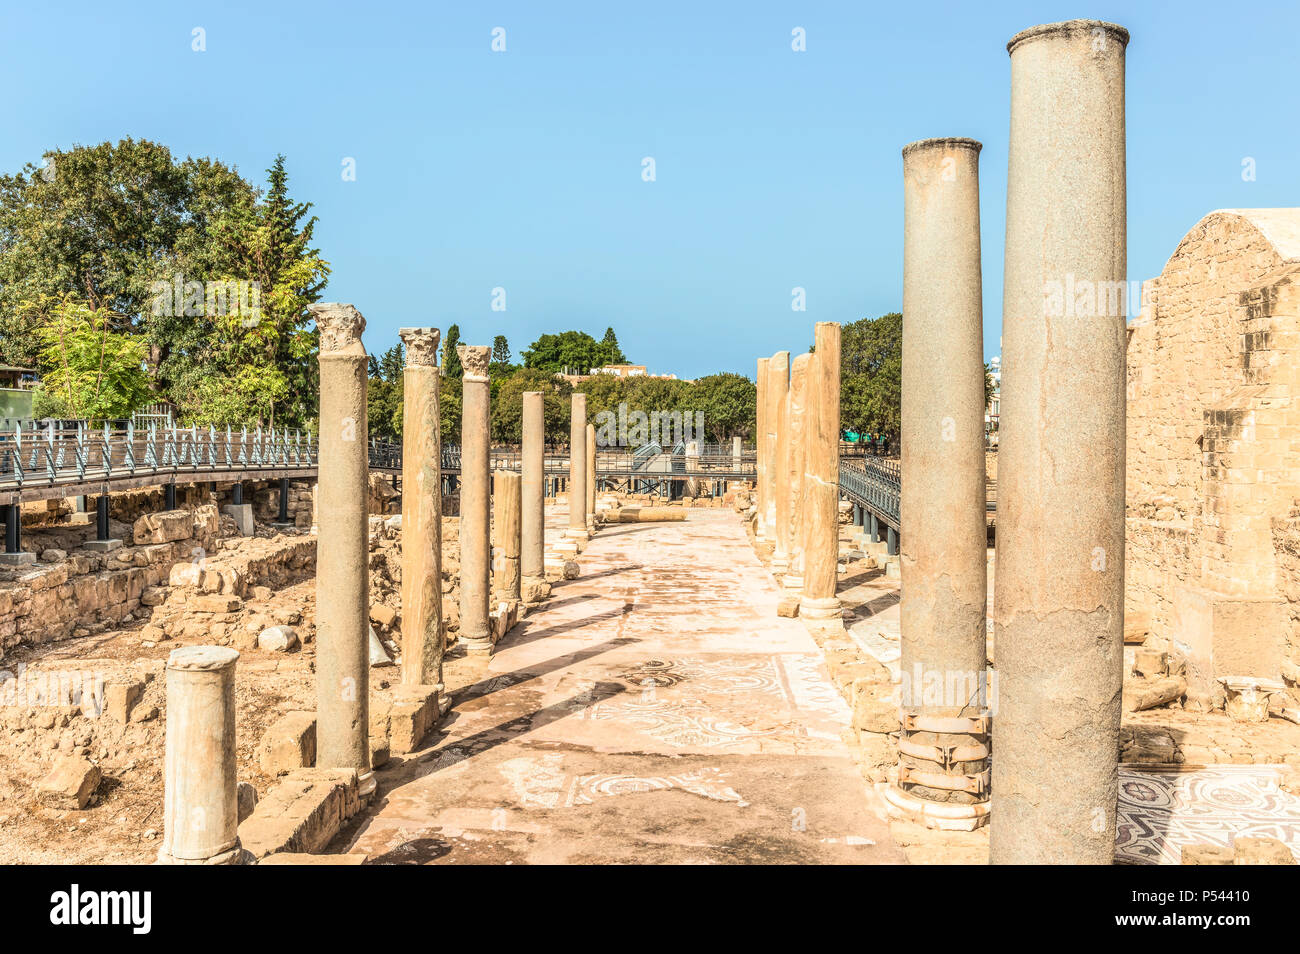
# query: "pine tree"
(450, 359)
(613, 353)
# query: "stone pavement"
(655, 710)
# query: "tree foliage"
(92, 371)
(871, 375)
(574, 351)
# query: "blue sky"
(522, 169)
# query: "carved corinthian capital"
(474, 359)
(340, 326)
(421, 346)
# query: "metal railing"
(873, 483)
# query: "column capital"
(474, 360)
(340, 326)
(1091, 30)
(421, 346)
(944, 143)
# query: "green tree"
(576, 351)
(729, 403)
(384, 394)
(451, 367)
(507, 405)
(613, 353)
(91, 370)
(871, 375)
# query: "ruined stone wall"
(1211, 441)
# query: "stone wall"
(80, 592)
(1213, 432)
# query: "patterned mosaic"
(1160, 812)
(542, 783)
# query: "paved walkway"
(656, 710)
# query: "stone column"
(475, 518)
(200, 809)
(761, 487)
(1059, 607)
(737, 453)
(944, 540)
(778, 383)
(533, 518)
(578, 467)
(821, 529)
(796, 456)
(779, 369)
(507, 507)
(591, 475)
(421, 511)
(342, 549)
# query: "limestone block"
(164, 527)
(278, 639)
(303, 813)
(1206, 855)
(289, 744)
(1261, 851)
(120, 698)
(71, 783)
(413, 714)
(246, 797)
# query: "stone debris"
(71, 783)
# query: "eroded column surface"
(200, 794)
(778, 383)
(1059, 606)
(342, 549)
(780, 367)
(822, 477)
(533, 518)
(578, 466)
(422, 647)
(475, 489)
(797, 455)
(591, 475)
(507, 506)
(762, 487)
(943, 534)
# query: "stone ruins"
(799, 648)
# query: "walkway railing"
(874, 484)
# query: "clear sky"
(523, 169)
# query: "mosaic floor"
(655, 710)
(1160, 812)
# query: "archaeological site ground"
(295, 577)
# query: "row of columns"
(798, 470)
(200, 817)
(1054, 708)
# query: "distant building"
(617, 370)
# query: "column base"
(366, 784)
(231, 856)
(792, 582)
(944, 816)
(477, 645)
(284, 526)
(824, 608)
(243, 516)
(102, 546)
(17, 559)
(575, 533)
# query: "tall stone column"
(779, 368)
(342, 549)
(761, 485)
(507, 507)
(422, 646)
(796, 457)
(200, 809)
(533, 518)
(578, 467)
(737, 453)
(778, 383)
(821, 515)
(943, 564)
(591, 475)
(475, 518)
(1059, 607)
